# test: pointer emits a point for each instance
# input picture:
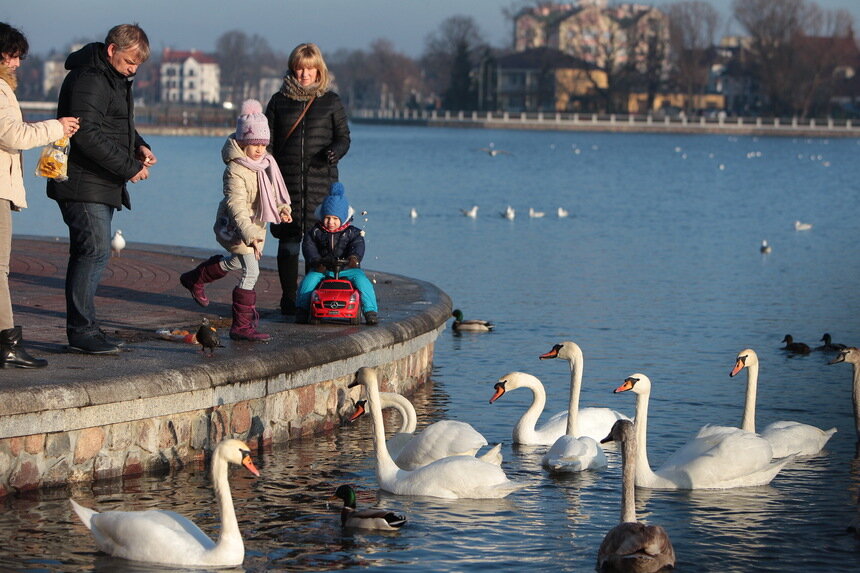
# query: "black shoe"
(116, 341)
(288, 307)
(301, 316)
(371, 318)
(92, 344)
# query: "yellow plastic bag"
(54, 160)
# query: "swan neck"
(644, 474)
(230, 533)
(408, 416)
(855, 397)
(383, 457)
(628, 480)
(530, 417)
(573, 405)
(748, 423)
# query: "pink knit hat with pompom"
(252, 127)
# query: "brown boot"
(196, 279)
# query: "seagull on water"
(509, 213)
(562, 213)
(492, 151)
(117, 243)
(798, 226)
(535, 214)
(472, 212)
(765, 248)
(413, 213)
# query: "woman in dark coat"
(309, 136)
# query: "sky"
(332, 24)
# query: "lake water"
(656, 270)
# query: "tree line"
(788, 62)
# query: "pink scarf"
(271, 189)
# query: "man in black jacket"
(106, 153)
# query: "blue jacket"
(319, 244)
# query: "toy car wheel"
(355, 320)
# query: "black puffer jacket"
(101, 159)
(302, 157)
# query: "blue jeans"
(355, 276)
(89, 253)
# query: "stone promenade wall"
(85, 443)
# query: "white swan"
(167, 538)
(630, 545)
(453, 477)
(525, 431)
(785, 437)
(438, 440)
(596, 423)
(574, 451)
(852, 356)
(718, 457)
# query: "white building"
(189, 77)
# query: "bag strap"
(304, 111)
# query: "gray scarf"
(294, 90)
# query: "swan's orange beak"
(551, 354)
(359, 411)
(249, 463)
(739, 365)
(627, 385)
(500, 389)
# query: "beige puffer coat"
(15, 135)
(234, 227)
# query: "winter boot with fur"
(245, 316)
(196, 279)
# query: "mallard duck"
(794, 347)
(474, 325)
(829, 345)
(366, 518)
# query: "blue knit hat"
(336, 203)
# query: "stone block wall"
(285, 408)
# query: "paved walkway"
(140, 293)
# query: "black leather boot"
(11, 353)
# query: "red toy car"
(335, 299)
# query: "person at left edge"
(106, 154)
(15, 135)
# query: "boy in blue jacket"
(334, 237)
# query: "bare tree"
(381, 78)
(795, 47)
(242, 60)
(693, 26)
(450, 55)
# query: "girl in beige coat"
(254, 195)
(16, 135)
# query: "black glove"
(352, 263)
(320, 267)
(332, 157)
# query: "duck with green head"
(473, 325)
(366, 518)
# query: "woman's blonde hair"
(310, 56)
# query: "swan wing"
(794, 438)
(454, 477)
(397, 442)
(569, 454)
(493, 455)
(440, 440)
(596, 423)
(153, 536)
(719, 457)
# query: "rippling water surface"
(657, 270)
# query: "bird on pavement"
(207, 336)
(117, 243)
